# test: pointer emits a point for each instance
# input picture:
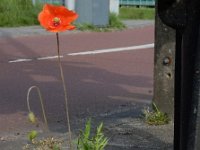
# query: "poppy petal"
(61, 14)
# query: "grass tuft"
(115, 22)
(155, 117)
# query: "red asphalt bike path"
(96, 83)
(45, 45)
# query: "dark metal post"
(184, 17)
(190, 75)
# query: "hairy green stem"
(65, 91)
(41, 102)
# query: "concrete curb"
(37, 30)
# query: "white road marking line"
(49, 57)
(100, 51)
(113, 50)
(20, 60)
(40, 58)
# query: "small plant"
(115, 22)
(58, 19)
(155, 117)
(43, 144)
(97, 142)
(54, 19)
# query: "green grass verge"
(137, 13)
(15, 13)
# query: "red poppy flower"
(56, 18)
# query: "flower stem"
(41, 102)
(65, 91)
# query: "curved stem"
(41, 102)
(65, 91)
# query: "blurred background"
(104, 13)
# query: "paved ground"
(109, 87)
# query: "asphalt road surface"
(106, 73)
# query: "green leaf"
(99, 128)
(87, 129)
(155, 108)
